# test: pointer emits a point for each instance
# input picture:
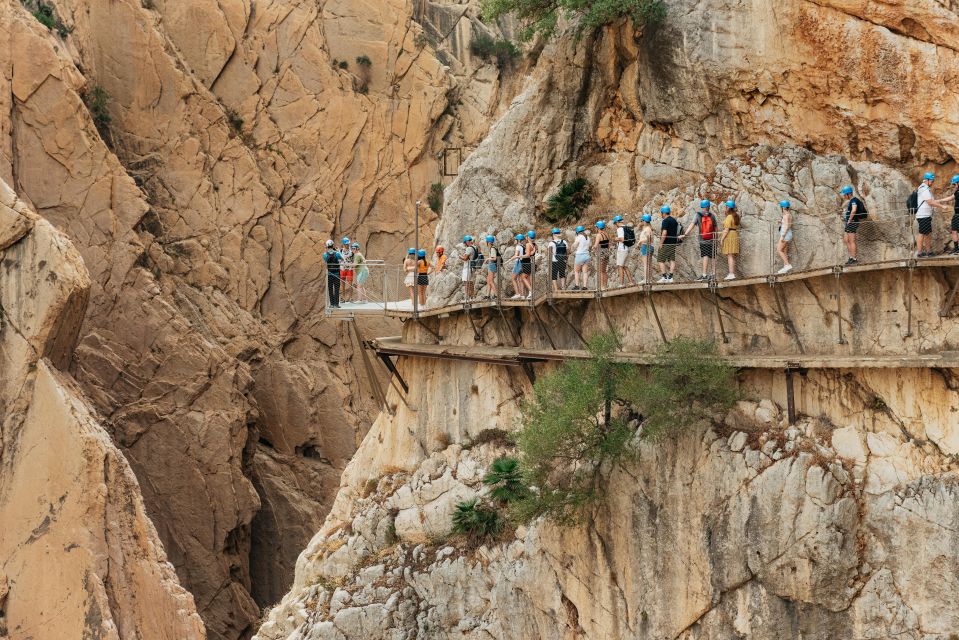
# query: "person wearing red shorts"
(346, 271)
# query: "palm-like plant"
(506, 480)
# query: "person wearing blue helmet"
(492, 265)
(785, 235)
(625, 238)
(853, 215)
(668, 239)
(346, 271)
(472, 259)
(925, 203)
(333, 260)
(423, 270)
(646, 237)
(954, 223)
(558, 260)
(729, 240)
(529, 255)
(516, 274)
(601, 245)
(580, 259)
(706, 224)
(409, 274)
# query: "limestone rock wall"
(79, 557)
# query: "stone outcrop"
(79, 558)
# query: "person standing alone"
(853, 216)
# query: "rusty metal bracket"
(652, 307)
(837, 271)
(950, 300)
(713, 286)
(566, 320)
(785, 318)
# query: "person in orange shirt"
(440, 259)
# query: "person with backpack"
(470, 257)
(333, 260)
(922, 202)
(422, 275)
(362, 272)
(729, 240)
(346, 270)
(409, 269)
(601, 244)
(559, 257)
(669, 237)
(785, 235)
(529, 254)
(707, 225)
(954, 223)
(580, 260)
(492, 266)
(517, 271)
(853, 215)
(646, 237)
(625, 238)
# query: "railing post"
(549, 272)
(598, 263)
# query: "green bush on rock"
(542, 16)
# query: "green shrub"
(435, 197)
(570, 201)
(502, 52)
(47, 16)
(476, 520)
(344, 64)
(97, 100)
(506, 480)
(364, 61)
(542, 16)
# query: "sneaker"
(954, 252)
(702, 278)
(529, 296)
(670, 276)
(851, 261)
(731, 276)
(663, 279)
(641, 283)
(786, 269)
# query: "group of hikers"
(618, 239)
(346, 273)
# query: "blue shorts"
(517, 267)
(582, 258)
(491, 267)
(645, 250)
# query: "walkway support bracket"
(368, 366)
(569, 324)
(784, 314)
(838, 272)
(542, 325)
(652, 307)
(719, 312)
(791, 367)
(912, 267)
(950, 300)
(420, 322)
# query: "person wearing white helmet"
(853, 216)
(785, 235)
(625, 238)
(333, 260)
(954, 223)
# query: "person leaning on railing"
(954, 223)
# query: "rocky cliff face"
(198, 156)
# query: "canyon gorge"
(190, 448)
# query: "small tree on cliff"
(580, 422)
(542, 16)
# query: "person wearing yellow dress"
(730, 238)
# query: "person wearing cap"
(622, 252)
(729, 240)
(519, 252)
(580, 259)
(333, 260)
(529, 254)
(646, 238)
(346, 270)
(492, 265)
(706, 224)
(954, 223)
(409, 268)
(558, 260)
(601, 244)
(362, 272)
(853, 215)
(668, 239)
(422, 275)
(469, 255)
(440, 259)
(927, 203)
(785, 235)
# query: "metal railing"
(817, 242)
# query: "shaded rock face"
(78, 556)
(199, 193)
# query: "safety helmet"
(421, 253)
(355, 245)
(704, 204)
(617, 219)
(345, 241)
(929, 176)
(411, 251)
(955, 179)
(440, 250)
(329, 243)
(647, 217)
(556, 231)
(847, 190)
(490, 239)
(600, 225)
(784, 204)
(530, 234)
(580, 229)
(665, 209)
(467, 238)
(520, 236)
(730, 204)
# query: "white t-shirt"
(621, 238)
(925, 194)
(552, 248)
(581, 245)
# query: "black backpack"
(331, 260)
(477, 260)
(560, 251)
(680, 230)
(912, 202)
(629, 236)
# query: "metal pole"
(416, 271)
(790, 398)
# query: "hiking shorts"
(557, 270)
(925, 226)
(706, 248)
(527, 266)
(423, 279)
(667, 253)
(491, 267)
(582, 258)
(852, 226)
(621, 254)
(467, 273)
(955, 222)
(347, 275)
